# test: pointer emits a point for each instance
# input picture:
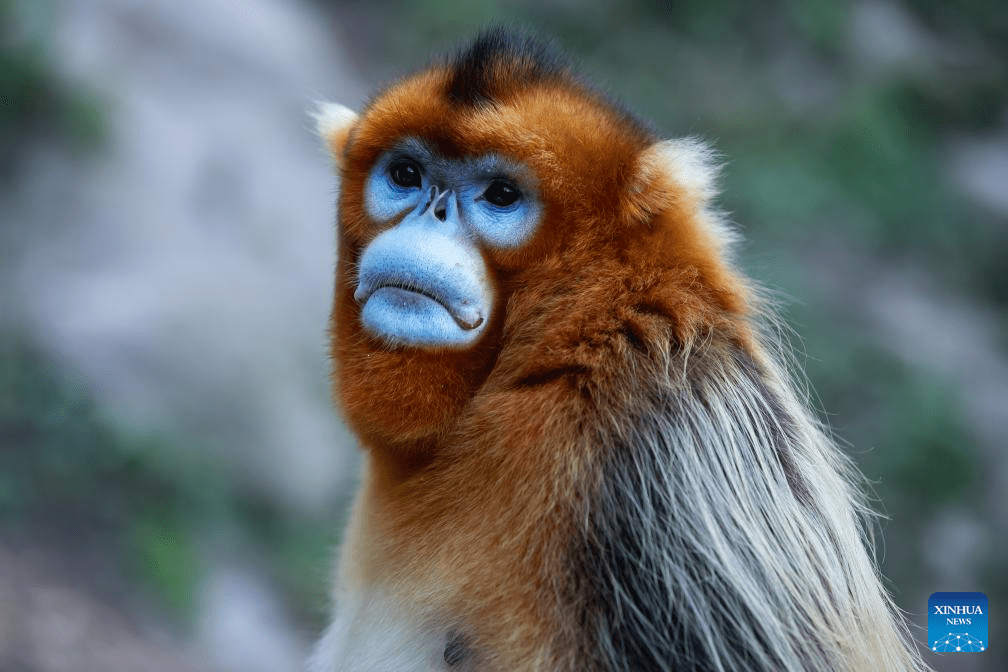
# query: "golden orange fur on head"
(623, 210)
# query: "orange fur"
(621, 348)
(588, 219)
(472, 467)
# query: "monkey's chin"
(401, 317)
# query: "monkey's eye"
(501, 193)
(406, 174)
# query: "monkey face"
(424, 281)
(489, 210)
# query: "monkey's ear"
(333, 122)
(675, 168)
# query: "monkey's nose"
(440, 204)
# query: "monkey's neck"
(393, 463)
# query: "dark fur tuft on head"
(500, 59)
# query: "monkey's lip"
(417, 300)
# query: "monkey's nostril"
(440, 204)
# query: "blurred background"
(172, 476)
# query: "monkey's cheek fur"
(402, 317)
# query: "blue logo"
(957, 622)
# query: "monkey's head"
(495, 215)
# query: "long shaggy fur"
(620, 475)
(722, 535)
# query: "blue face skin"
(424, 282)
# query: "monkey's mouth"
(411, 299)
(418, 289)
(433, 315)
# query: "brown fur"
(472, 465)
(480, 462)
